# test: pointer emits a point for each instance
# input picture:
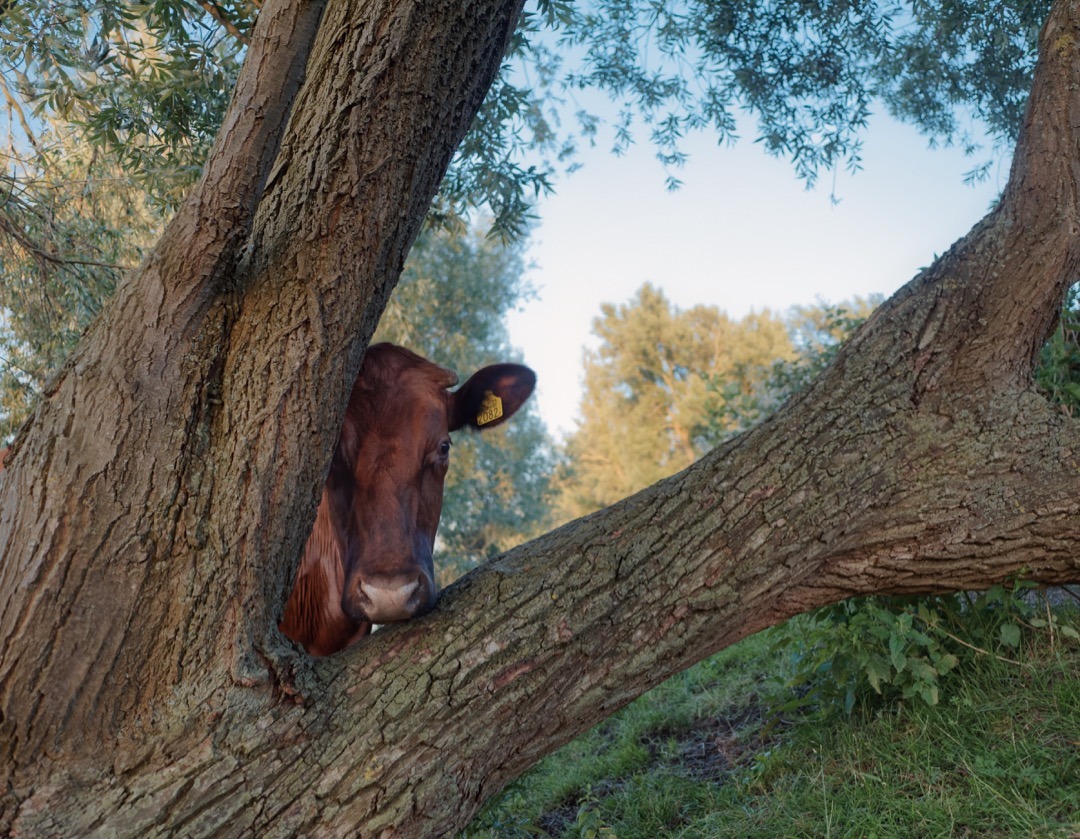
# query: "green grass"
(703, 756)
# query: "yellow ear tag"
(490, 409)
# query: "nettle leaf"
(877, 673)
(922, 669)
(896, 652)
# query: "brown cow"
(368, 559)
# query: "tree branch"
(134, 392)
(1000, 293)
(217, 13)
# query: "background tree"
(816, 334)
(667, 385)
(66, 235)
(152, 512)
(648, 390)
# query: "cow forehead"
(415, 394)
(385, 363)
(416, 418)
(413, 406)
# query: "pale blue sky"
(741, 234)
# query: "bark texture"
(153, 512)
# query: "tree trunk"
(152, 513)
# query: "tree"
(152, 512)
(817, 333)
(650, 389)
(666, 385)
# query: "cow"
(369, 558)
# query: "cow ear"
(491, 396)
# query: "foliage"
(666, 385)
(123, 100)
(872, 650)
(149, 82)
(957, 56)
(696, 757)
(111, 109)
(1058, 370)
(648, 388)
(506, 160)
(450, 306)
(146, 83)
(816, 334)
(808, 71)
(64, 244)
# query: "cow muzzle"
(394, 599)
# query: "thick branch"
(94, 489)
(410, 731)
(1000, 292)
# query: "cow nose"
(387, 601)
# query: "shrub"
(870, 651)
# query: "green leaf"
(1010, 635)
(877, 673)
(896, 652)
(922, 670)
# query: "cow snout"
(391, 600)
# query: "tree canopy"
(111, 110)
(809, 72)
(650, 388)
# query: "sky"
(743, 233)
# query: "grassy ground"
(704, 755)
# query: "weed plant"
(864, 727)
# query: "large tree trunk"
(152, 514)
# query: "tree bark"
(152, 513)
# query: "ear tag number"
(490, 409)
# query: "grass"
(703, 755)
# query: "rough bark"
(152, 513)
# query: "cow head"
(375, 530)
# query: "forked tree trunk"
(153, 512)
